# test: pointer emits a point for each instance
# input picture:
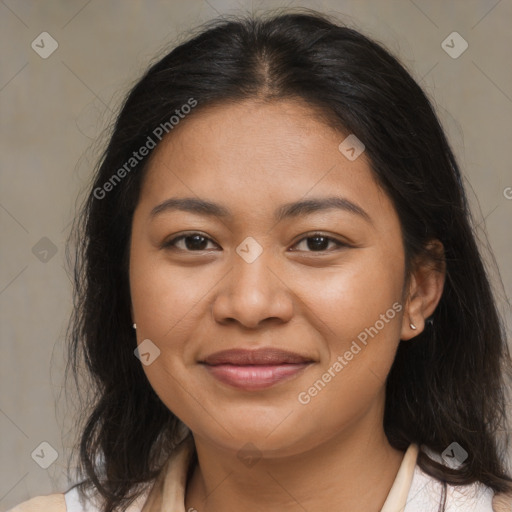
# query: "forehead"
(255, 155)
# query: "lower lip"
(255, 377)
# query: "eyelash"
(171, 243)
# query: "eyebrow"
(285, 211)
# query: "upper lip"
(262, 356)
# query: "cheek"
(170, 309)
(163, 304)
(162, 295)
(352, 298)
(360, 312)
(360, 317)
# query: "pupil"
(195, 244)
(317, 245)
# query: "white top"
(73, 503)
(425, 495)
(412, 491)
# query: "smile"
(255, 369)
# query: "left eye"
(320, 242)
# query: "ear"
(424, 290)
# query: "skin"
(251, 157)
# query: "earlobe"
(412, 320)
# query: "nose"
(253, 293)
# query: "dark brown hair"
(445, 386)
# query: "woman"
(280, 297)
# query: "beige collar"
(397, 497)
(168, 492)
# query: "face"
(322, 281)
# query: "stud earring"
(135, 326)
(412, 326)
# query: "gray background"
(54, 109)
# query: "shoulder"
(70, 501)
(502, 503)
(49, 503)
(426, 493)
(61, 502)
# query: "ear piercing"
(135, 326)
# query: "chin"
(274, 436)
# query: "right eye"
(193, 242)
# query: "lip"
(255, 369)
(261, 356)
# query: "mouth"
(252, 370)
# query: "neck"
(353, 470)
